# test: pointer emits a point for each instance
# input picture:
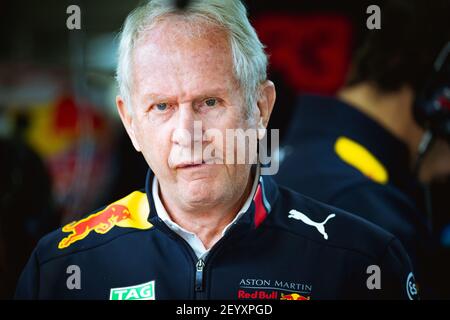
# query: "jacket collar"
(261, 206)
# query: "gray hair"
(249, 58)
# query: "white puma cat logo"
(319, 226)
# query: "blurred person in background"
(26, 206)
(359, 151)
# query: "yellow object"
(41, 133)
(356, 155)
(129, 212)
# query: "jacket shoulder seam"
(390, 240)
(41, 263)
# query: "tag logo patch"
(144, 291)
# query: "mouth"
(189, 165)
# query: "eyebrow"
(218, 92)
(156, 97)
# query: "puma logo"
(320, 226)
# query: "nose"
(188, 127)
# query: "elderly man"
(208, 227)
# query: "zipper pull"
(199, 275)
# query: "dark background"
(63, 150)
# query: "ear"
(265, 103)
(128, 121)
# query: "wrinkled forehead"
(190, 38)
(178, 27)
(192, 49)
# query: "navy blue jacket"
(270, 253)
(338, 155)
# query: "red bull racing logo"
(131, 211)
(101, 222)
(251, 288)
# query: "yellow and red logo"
(294, 296)
(131, 211)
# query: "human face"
(183, 74)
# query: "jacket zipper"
(199, 275)
(200, 289)
(199, 283)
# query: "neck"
(393, 111)
(208, 223)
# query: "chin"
(199, 192)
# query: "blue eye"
(211, 102)
(161, 106)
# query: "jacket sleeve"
(397, 276)
(388, 277)
(28, 284)
(392, 212)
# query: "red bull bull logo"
(294, 296)
(100, 222)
